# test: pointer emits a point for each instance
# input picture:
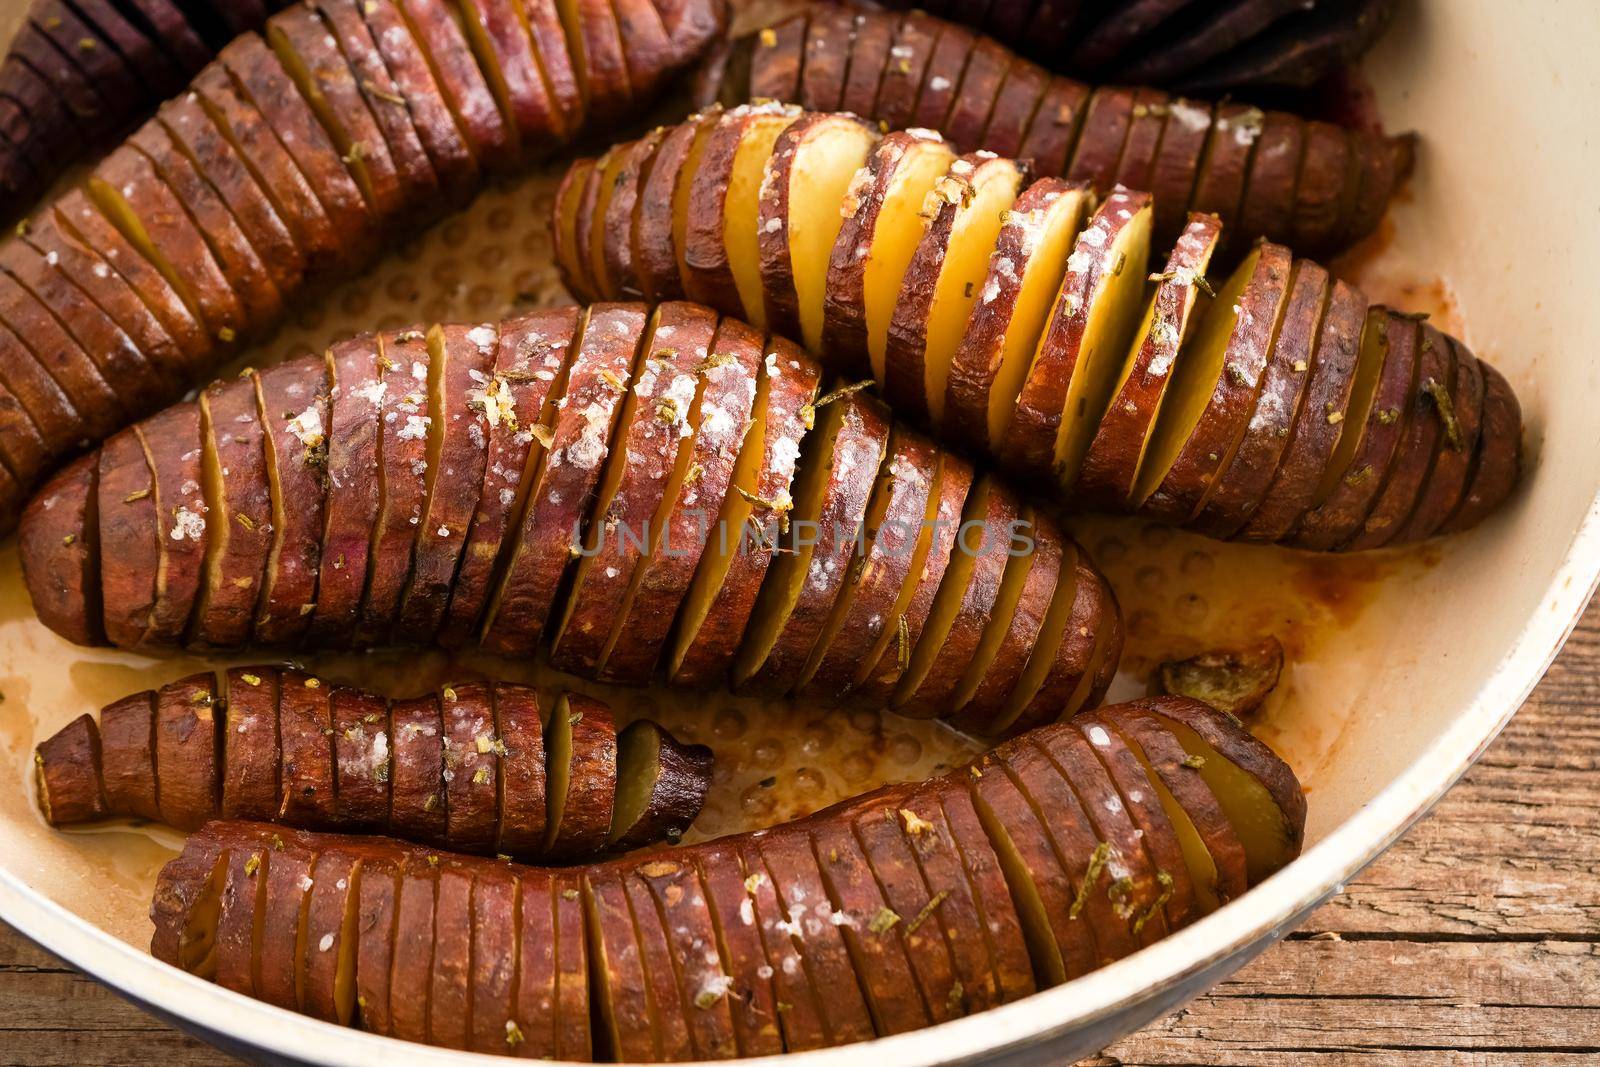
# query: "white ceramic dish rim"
(1258, 919)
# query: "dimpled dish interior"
(1404, 665)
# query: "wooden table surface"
(1475, 940)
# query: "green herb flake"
(884, 921)
(1097, 863)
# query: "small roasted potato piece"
(661, 785)
(1234, 681)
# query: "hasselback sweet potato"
(1274, 405)
(1061, 850)
(121, 58)
(463, 768)
(294, 154)
(624, 487)
(1248, 48)
(1194, 156)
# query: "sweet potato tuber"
(1273, 406)
(463, 768)
(1059, 851)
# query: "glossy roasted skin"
(1244, 48)
(981, 97)
(529, 509)
(1071, 347)
(449, 770)
(294, 156)
(907, 905)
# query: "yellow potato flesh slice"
(1196, 856)
(638, 768)
(1018, 567)
(572, 27)
(876, 508)
(197, 944)
(306, 81)
(966, 266)
(786, 575)
(680, 191)
(1041, 281)
(483, 50)
(1054, 631)
(1247, 803)
(572, 258)
(1111, 319)
(952, 590)
(821, 172)
(740, 207)
(919, 560)
(895, 237)
(1369, 367)
(558, 758)
(724, 544)
(1199, 366)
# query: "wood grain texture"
(1475, 940)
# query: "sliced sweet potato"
(239, 922)
(877, 676)
(449, 1006)
(306, 772)
(250, 755)
(283, 914)
(1446, 483)
(194, 133)
(552, 524)
(521, 773)
(798, 908)
(376, 942)
(574, 1034)
(942, 77)
(292, 403)
(416, 776)
(186, 908)
(528, 380)
(593, 200)
(1430, 420)
(668, 989)
(812, 164)
(1026, 269)
(1385, 391)
(1316, 431)
(655, 428)
(40, 394)
(621, 215)
(1242, 483)
(831, 494)
(721, 246)
(494, 955)
(727, 581)
(535, 1007)
(306, 46)
(752, 1001)
(581, 747)
(37, 337)
(661, 785)
(623, 1006)
(60, 544)
(404, 362)
(864, 611)
(1499, 456)
(416, 90)
(944, 280)
(412, 964)
(900, 78)
(172, 444)
(1120, 441)
(1074, 368)
(67, 779)
(459, 361)
(598, 58)
(471, 770)
(1213, 389)
(356, 392)
(129, 538)
(699, 483)
(128, 756)
(330, 938)
(875, 245)
(661, 227)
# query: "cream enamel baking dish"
(1388, 702)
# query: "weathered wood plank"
(1474, 941)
